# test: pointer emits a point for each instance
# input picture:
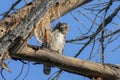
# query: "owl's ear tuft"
(59, 24)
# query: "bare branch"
(36, 15)
(77, 66)
(20, 73)
(27, 71)
(106, 22)
(2, 75)
(12, 7)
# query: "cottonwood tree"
(17, 26)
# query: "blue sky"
(36, 72)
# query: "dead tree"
(19, 26)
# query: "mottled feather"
(57, 41)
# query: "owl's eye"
(65, 27)
(1, 30)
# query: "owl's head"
(62, 27)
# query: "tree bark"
(72, 65)
(28, 22)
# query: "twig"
(77, 39)
(91, 50)
(57, 75)
(103, 27)
(93, 21)
(106, 22)
(20, 72)
(12, 7)
(2, 74)
(76, 19)
(116, 48)
(27, 71)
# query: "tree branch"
(73, 65)
(36, 15)
(11, 8)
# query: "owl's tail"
(47, 69)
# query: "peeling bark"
(25, 24)
(32, 20)
(12, 21)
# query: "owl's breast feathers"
(57, 42)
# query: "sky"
(36, 71)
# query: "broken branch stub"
(36, 15)
(26, 26)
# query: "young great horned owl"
(57, 41)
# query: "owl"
(57, 41)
